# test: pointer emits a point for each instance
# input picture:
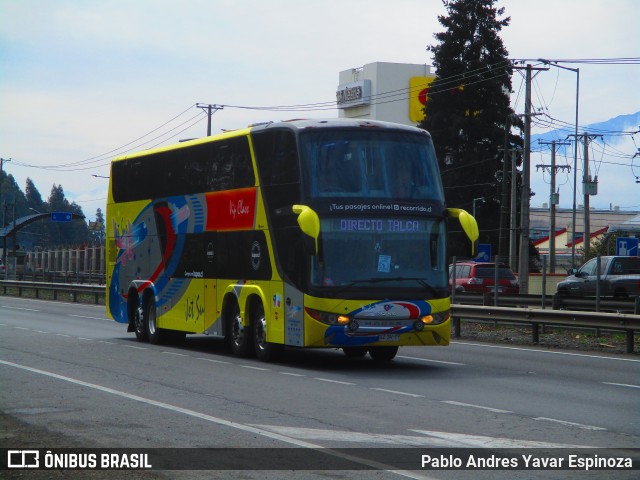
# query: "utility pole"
(589, 187)
(523, 267)
(513, 257)
(553, 200)
(523, 264)
(586, 178)
(211, 109)
(503, 201)
(2, 160)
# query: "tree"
(469, 109)
(33, 234)
(63, 233)
(98, 228)
(12, 200)
(34, 199)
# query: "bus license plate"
(390, 337)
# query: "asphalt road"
(70, 377)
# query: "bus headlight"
(327, 318)
(434, 319)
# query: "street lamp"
(473, 210)
(575, 156)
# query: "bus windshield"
(382, 252)
(370, 164)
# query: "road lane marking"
(91, 318)
(621, 385)
(213, 360)
(21, 308)
(426, 438)
(553, 352)
(333, 436)
(175, 353)
(223, 422)
(471, 405)
(430, 360)
(292, 374)
(571, 424)
(397, 392)
(255, 368)
(333, 381)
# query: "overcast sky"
(81, 79)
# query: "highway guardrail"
(628, 323)
(97, 291)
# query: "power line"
(438, 87)
(591, 61)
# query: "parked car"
(619, 277)
(479, 277)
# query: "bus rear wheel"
(383, 354)
(239, 334)
(265, 351)
(156, 335)
(138, 323)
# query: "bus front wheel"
(383, 354)
(355, 352)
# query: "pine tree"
(62, 233)
(468, 108)
(34, 199)
(99, 232)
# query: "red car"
(475, 277)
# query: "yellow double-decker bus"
(309, 233)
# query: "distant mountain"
(610, 129)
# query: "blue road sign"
(627, 247)
(484, 253)
(61, 216)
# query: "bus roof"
(336, 122)
(187, 143)
(298, 124)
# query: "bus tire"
(239, 334)
(137, 314)
(265, 351)
(156, 335)
(383, 354)
(355, 352)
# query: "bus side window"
(229, 165)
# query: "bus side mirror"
(310, 225)
(468, 223)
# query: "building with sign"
(392, 92)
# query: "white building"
(393, 92)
